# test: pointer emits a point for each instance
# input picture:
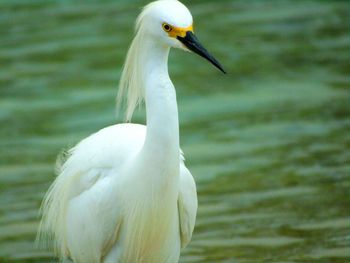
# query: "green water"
(268, 143)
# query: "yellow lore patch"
(174, 31)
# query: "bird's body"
(124, 193)
(118, 196)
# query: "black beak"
(192, 43)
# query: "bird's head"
(171, 23)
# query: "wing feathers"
(187, 205)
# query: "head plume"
(131, 85)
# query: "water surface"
(268, 143)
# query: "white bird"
(124, 193)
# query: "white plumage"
(124, 193)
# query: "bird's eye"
(166, 27)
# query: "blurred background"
(268, 143)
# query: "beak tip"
(191, 42)
(218, 66)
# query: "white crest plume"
(131, 85)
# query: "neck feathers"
(132, 83)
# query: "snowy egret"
(124, 193)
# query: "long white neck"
(162, 138)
